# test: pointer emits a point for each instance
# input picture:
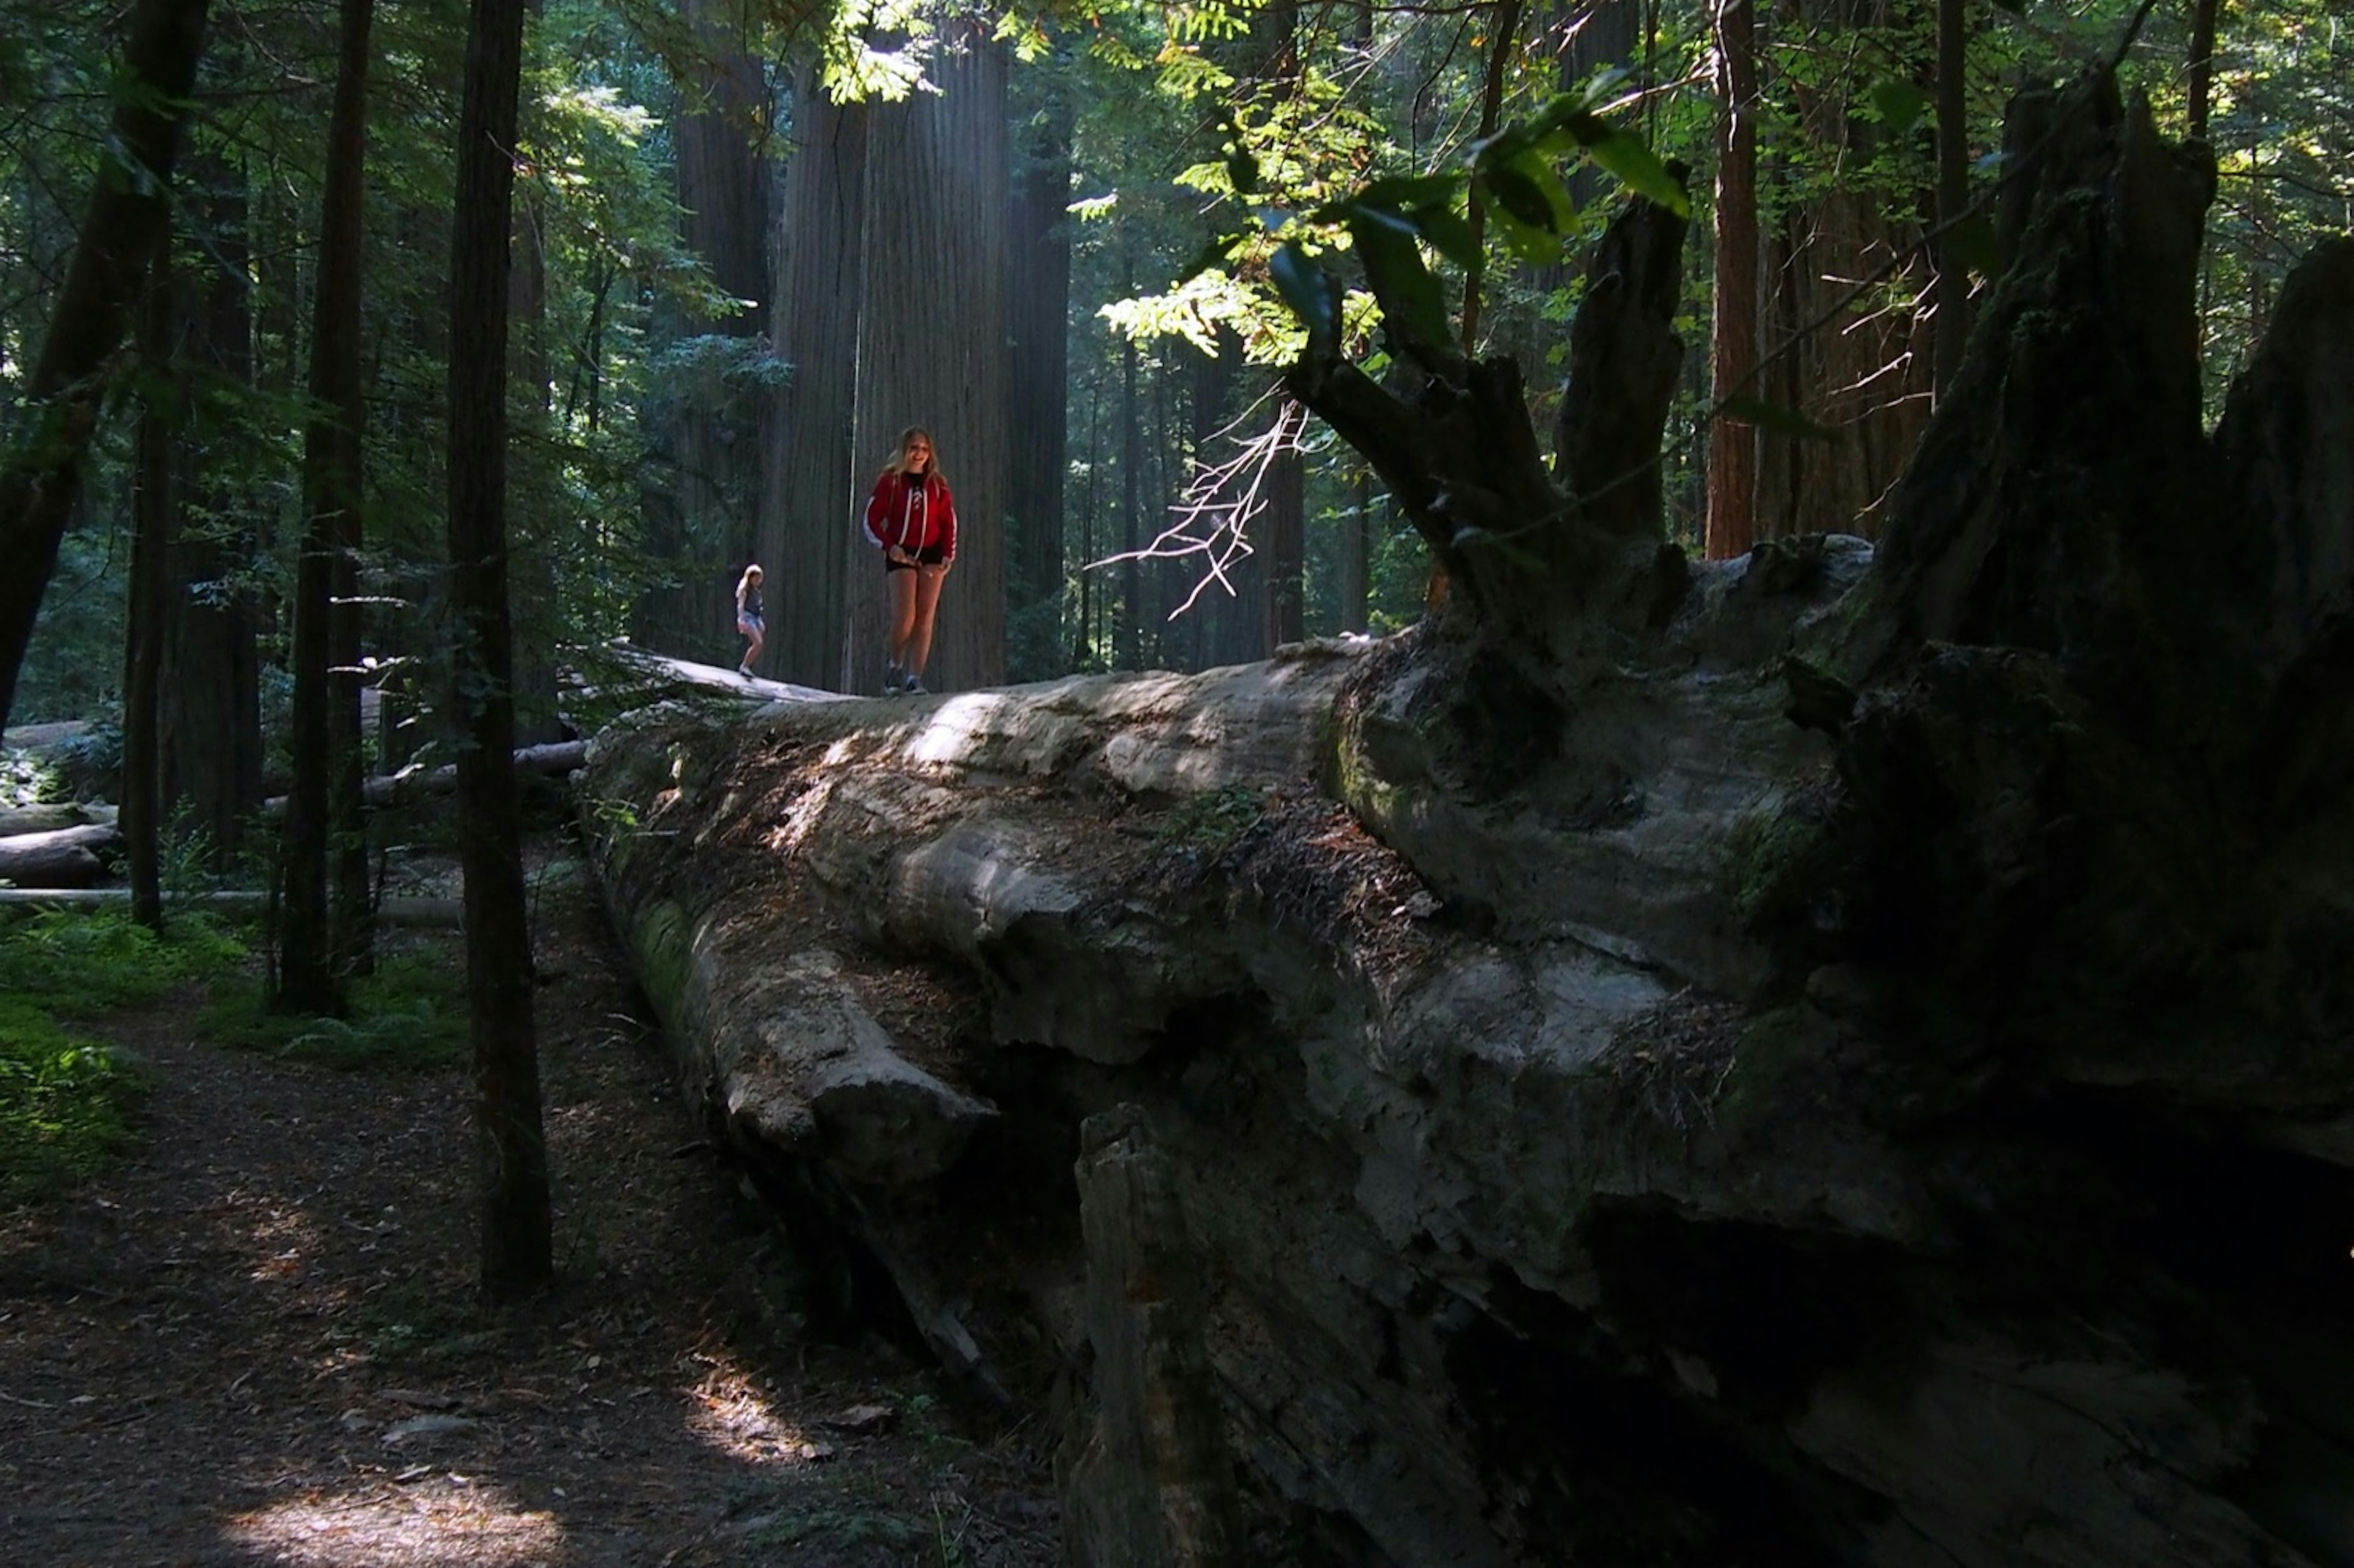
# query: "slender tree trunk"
(1286, 531)
(40, 473)
(321, 945)
(2202, 64)
(513, 1148)
(1953, 319)
(1131, 480)
(150, 599)
(1039, 373)
(818, 564)
(1356, 554)
(1733, 360)
(1502, 39)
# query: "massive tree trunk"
(720, 411)
(1784, 1061)
(511, 1145)
(936, 209)
(809, 536)
(40, 473)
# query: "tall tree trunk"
(1842, 361)
(722, 415)
(40, 474)
(1733, 359)
(1038, 374)
(809, 509)
(511, 1143)
(1132, 482)
(936, 204)
(1357, 555)
(1286, 531)
(153, 503)
(211, 744)
(2202, 65)
(319, 945)
(1953, 319)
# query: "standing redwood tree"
(323, 801)
(1732, 340)
(512, 1144)
(122, 234)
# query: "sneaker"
(914, 688)
(744, 671)
(890, 679)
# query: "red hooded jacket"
(912, 514)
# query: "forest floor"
(258, 1340)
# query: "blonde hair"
(898, 463)
(750, 572)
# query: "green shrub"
(65, 1103)
(78, 964)
(409, 1016)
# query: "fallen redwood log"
(552, 759)
(1671, 1064)
(49, 818)
(62, 857)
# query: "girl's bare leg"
(903, 613)
(928, 605)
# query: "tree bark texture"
(932, 324)
(721, 416)
(1848, 361)
(511, 1148)
(40, 473)
(1864, 1082)
(810, 533)
(211, 742)
(1038, 387)
(324, 837)
(1733, 310)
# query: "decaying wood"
(1606, 1119)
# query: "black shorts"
(930, 555)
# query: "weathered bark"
(40, 474)
(936, 207)
(512, 1147)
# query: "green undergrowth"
(66, 1101)
(409, 1016)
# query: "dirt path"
(257, 1343)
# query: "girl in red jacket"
(912, 519)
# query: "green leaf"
(1214, 252)
(1519, 187)
(1901, 105)
(1408, 293)
(1778, 417)
(1309, 291)
(1241, 167)
(1639, 170)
